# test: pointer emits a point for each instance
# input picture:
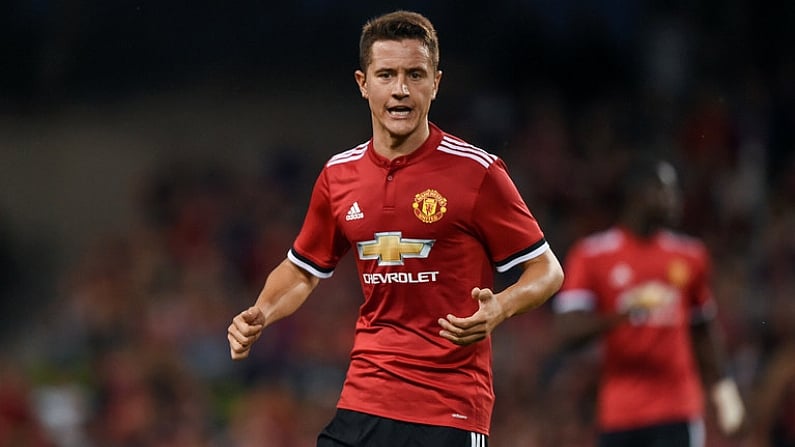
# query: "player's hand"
(729, 407)
(478, 326)
(245, 329)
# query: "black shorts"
(354, 429)
(674, 434)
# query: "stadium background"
(156, 158)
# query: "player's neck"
(641, 228)
(391, 146)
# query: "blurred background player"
(428, 218)
(646, 290)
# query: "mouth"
(399, 111)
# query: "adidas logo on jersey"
(355, 212)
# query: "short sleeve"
(509, 229)
(320, 244)
(577, 292)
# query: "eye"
(416, 75)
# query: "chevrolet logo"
(389, 248)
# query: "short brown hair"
(398, 25)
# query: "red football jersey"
(650, 373)
(425, 229)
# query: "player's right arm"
(285, 290)
(578, 327)
(577, 320)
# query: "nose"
(400, 89)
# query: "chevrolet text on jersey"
(390, 248)
(399, 277)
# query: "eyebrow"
(408, 69)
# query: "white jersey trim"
(526, 257)
(697, 432)
(603, 242)
(574, 300)
(350, 155)
(457, 147)
(308, 267)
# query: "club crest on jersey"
(429, 206)
(678, 273)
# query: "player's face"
(400, 84)
(667, 195)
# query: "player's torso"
(649, 373)
(409, 223)
(666, 276)
(420, 200)
(409, 227)
(650, 270)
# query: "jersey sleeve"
(320, 244)
(511, 232)
(577, 292)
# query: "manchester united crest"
(678, 273)
(429, 206)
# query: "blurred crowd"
(135, 354)
(132, 351)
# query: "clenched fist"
(245, 329)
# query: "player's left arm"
(721, 388)
(710, 352)
(541, 277)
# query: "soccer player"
(428, 218)
(646, 290)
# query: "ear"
(361, 81)
(436, 81)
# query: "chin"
(403, 129)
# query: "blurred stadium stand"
(156, 158)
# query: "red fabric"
(650, 373)
(470, 214)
